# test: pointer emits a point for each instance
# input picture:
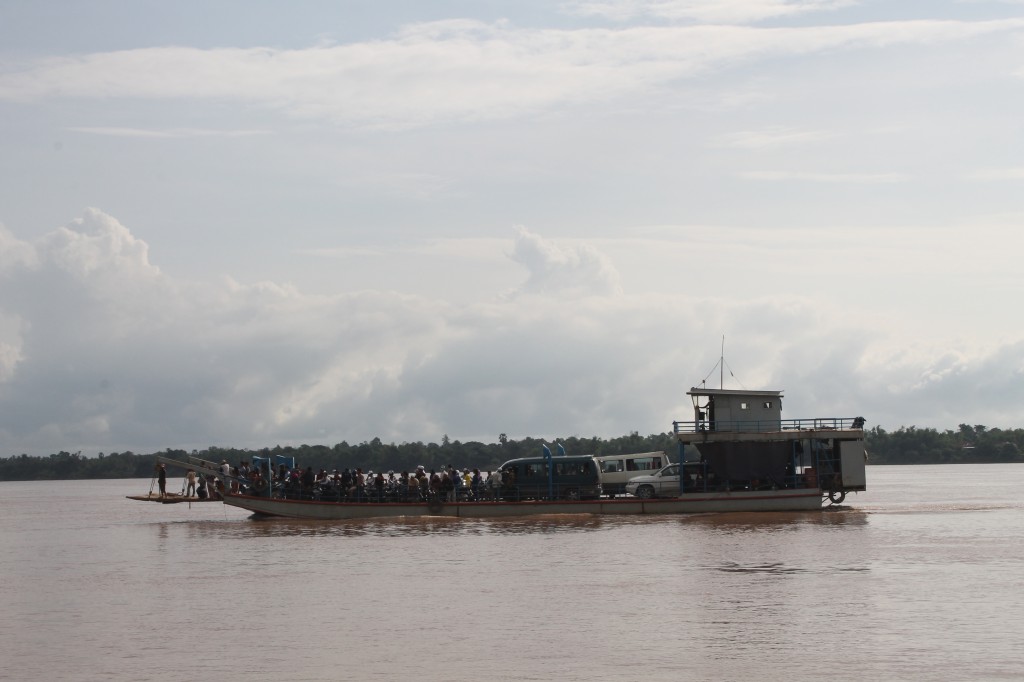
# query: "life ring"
(435, 505)
(836, 496)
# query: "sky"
(249, 224)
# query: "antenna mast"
(721, 366)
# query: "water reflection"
(405, 527)
(741, 522)
(724, 523)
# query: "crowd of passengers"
(353, 485)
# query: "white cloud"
(319, 250)
(452, 70)
(711, 11)
(15, 253)
(109, 353)
(97, 243)
(562, 270)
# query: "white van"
(616, 470)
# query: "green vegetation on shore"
(906, 445)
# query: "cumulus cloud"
(100, 350)
(563, 270)
(109, 352)
(14, 253)
(459, 70)
(98, 244)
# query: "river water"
(921, 577)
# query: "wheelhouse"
(744, 443)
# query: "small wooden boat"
(201, 467)
(170, 498)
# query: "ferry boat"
(737, 454)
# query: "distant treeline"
(907, 445)
(967, 445)
(370, 455)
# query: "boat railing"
(483, 493)
(768, 425)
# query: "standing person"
(476, 483)
(308, 480)
(161, 477)
(256, 481)
(494, 481)
(454, 483)
(447, 485)
(191, 478)
(434, 484)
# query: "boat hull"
(737, 501)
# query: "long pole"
(721, 366)
(551, 473)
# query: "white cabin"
(736, 410)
